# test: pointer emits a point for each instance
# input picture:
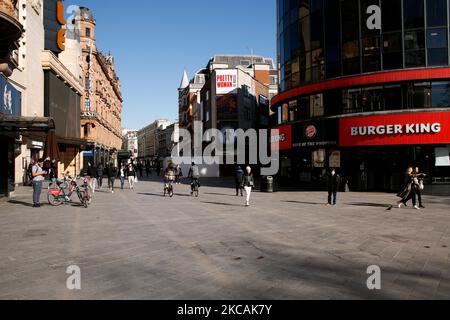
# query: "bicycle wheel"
(171, 192)
(54, 201)
(196, 192)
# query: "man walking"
(238, 176)
(333, 182)
(38, 177)
(112, 174)
(100, 173)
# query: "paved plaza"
(137, 244)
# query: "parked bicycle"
(57, 195)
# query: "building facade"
(364, 87)
(130, 142)
(232, 92)
(148, 140)
(101, 104)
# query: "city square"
(276, 150)
(138, 244)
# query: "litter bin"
(267, 184)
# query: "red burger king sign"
(396, 129)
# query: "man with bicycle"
(194, 175)
(169, 177)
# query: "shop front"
(15, 130)
(377, 150)
(371, 152)
(307, 149)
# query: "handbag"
(421, 185)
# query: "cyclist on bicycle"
(169, 175)
(194, 174)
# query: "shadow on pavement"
(376, 205)
(152, 194)
(22, 203)
(223, 204)
(220, 194)
(304, 202)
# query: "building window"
(87, 83)
(437, 49)
(317, 106)
(440, 94)
(392, 51)
(88, 32)
(414, 48)
(285, 113)
(413, 11)
(88, 105)
(436, 13)
(293, 110)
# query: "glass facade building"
(340, 59)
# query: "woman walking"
(248, 183)
(409, 192)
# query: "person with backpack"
(194, 175)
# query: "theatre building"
(364, 88)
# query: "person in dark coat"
(333, 182)
(111, 172)
(238, 176)
(248, 183)
(100, 173)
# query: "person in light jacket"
(248, 183)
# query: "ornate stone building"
(101, 106)
(10, 32)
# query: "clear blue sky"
(154, 41)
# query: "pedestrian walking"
(194, 175)
(122, 176)
(238, 176)
(38, 174)
(409, 192)
(147, 169)
(158, 169)
(419, 185)
(140, 168)
(333, 182)
(131, 175)
(91, 175)
(112, 174)
(178, 174)
(53, 172)
(100, 173)
(248, 183)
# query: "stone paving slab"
(137, 244)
